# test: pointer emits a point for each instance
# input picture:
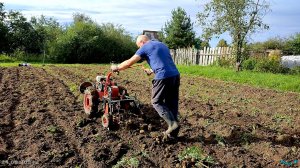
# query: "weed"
(255, 111)
(73, 88)
(281, 117)
(53, 129)
(145, 154)
(245, 138)
(221, 141)
(195, 154)
(98, 138)
(127, 162)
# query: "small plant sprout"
(196, 155)
(127, 162)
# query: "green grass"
(14, 64)
(263, 80)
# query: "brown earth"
(42, 123)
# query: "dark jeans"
(165, 96)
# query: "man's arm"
(128, 63)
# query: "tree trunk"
(238, 48)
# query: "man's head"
(141, 40)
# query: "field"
(224, 124)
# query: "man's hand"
(114, 68)
(148, 71)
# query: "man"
(165, 90)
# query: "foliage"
(276, 43)
(119, 44)
(3, 30)
(127, 162)
(225, 62)
(293, 44)
(275, 55)
(53, 129)
(222, 43)
(197, 43)
(21, 34)
(82, 41)
(48, 29)
(87, 42)
(196, 154)
(239, 18)
(5, 58)
(288, 46)
(204, 44)
(295, 70)
(249, 64)
(270, 65)
(191, 152)
(178, 32)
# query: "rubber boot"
(174, 134)
(172, 123)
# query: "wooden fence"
(207, 56)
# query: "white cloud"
(137, 15)
(134, 15)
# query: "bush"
(295, 70)
(226, 62)
(270, 65)
(275, 55)
(249, 64)
(26, 57)
(5, 58)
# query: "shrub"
(226, 62)
(5, 58)
(249, 64)
(270, 65)
(275, 55)
(295, 70)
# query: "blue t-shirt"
(159, 58)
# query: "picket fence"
(207, 56)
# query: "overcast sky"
(137, 15)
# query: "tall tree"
(48, 30)
(3, 30)
(22, 35)
(239, 17)
(179, 33)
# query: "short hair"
(143, 38)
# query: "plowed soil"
(42, 123)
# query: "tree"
(197, 43)
(204, 44)
(84, 41)
(21, 35)
(81, 42)
(178, 33)
(3, 30)
(120, 43)
(222, 43)
(240, 18)
(48, 30)
(294, 44)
